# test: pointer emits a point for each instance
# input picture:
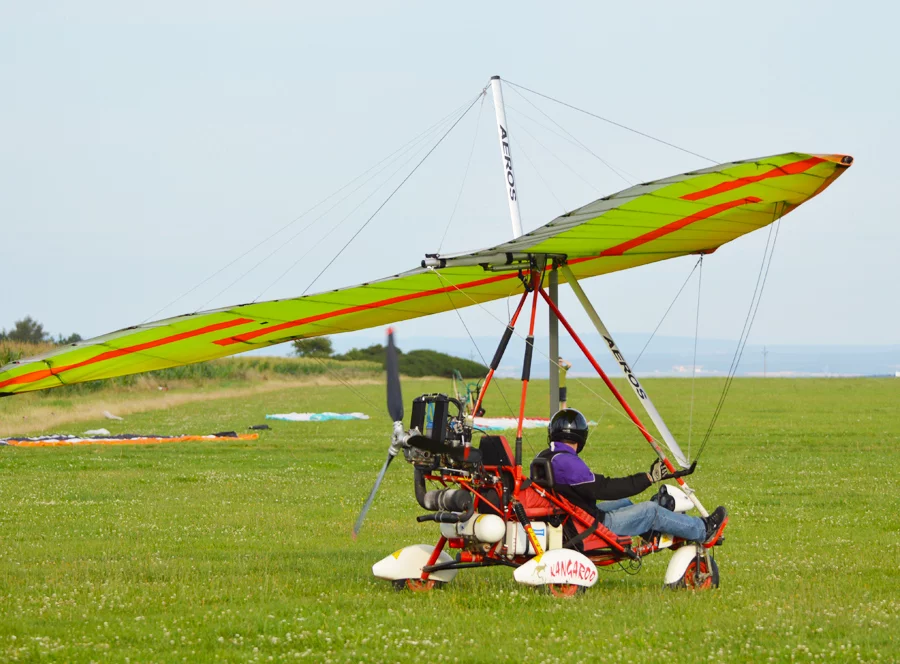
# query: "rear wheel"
(702, 577)
(415, 585)
(564, 589)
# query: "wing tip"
(843, 160)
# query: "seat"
(537, 507)
(541, 472)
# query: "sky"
(145, 148)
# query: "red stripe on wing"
(357, 308)
(620, 249)
(781, 171)
(119, 352)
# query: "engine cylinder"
(447, 500)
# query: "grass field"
(241, 551)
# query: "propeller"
(395, 410)
(392, 367)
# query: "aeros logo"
(507, 159)
(628, 372)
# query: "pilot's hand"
(659, 471)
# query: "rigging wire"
(512, 412)
(694, 361)
(380, 207)
(602, 160)
(411, 149)
(748, 325)
(612, 122)
(550, 152)
(334, 374)
(310, 249)
(563, 137)
(521, 147)
(302, 215)
(462, 185)
(661, 320)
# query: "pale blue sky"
(143, 149)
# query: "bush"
(419, 362)
(314, 347)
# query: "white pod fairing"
(682, 502)
(679, 563)
(407, 563)
(558, 566)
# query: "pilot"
(567, 435)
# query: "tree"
(66, 341)
(315, 347)
(374, 353)
(27, 331)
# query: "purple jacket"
(574, 479)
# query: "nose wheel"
(565, 589)
(701, 574)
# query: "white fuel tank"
(488, 528)
(517, 542)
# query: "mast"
(553, 327)
(509, 175)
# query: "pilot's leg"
(612, 505)
(647, 516)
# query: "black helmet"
(568, 424)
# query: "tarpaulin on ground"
(59, 440)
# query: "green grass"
(240, 551)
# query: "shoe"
(715, 524)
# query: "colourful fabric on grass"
(317, 417)
(60, 440)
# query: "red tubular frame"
(535, 276)
(616, 548)
(432, 559)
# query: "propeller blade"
(392, 366)
(362, 515)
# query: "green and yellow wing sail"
(686, 214)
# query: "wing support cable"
(582, 145)
(388, 159)
(396, 189)
(539, 174)
(768, 252)
(661, 320)
(612, 122)
(519, 113)
(498, 355)
(462, 185)
(694, 361)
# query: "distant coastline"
(670, 356)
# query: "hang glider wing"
(687, 214)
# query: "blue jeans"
(625, 518)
